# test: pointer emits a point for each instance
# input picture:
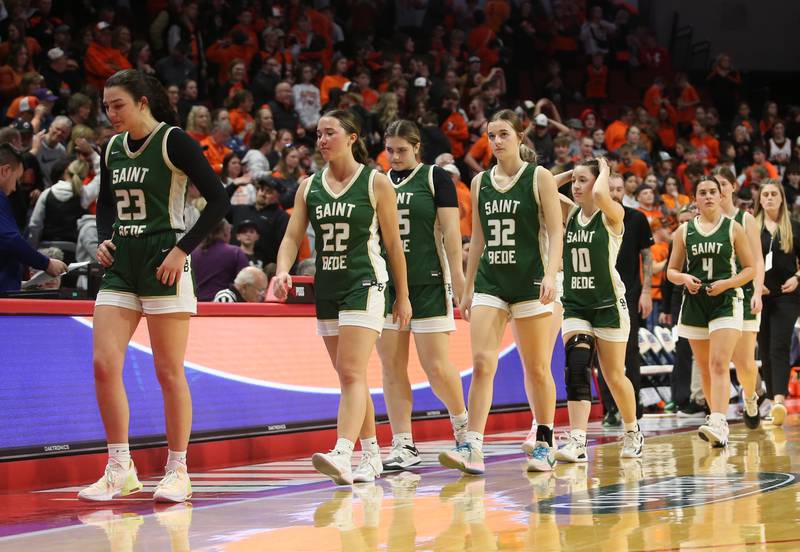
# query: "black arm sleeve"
(106, 212)
(444, 191)
(186, 155)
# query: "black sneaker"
(750, 413)
(692, 409)
(612, 419)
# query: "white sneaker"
(175, 486)
(336, 465)
(464, 457)
(404, 485)
(750, 412)
(460, 433)
(542, 459)
(401, 457)
(632, 444)
(778, 413)
(530, 441)
(574, 449)
(715, 433)
(116, 481)
(369, 468)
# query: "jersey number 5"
(502, 232)
(130, 204)
(335, 236)
(404, 222)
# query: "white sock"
(176, 459)
(580, 435)
(119, 454)
(344, 446)
(405, 439)
(370, 444)
(475, 438)
(717, 417)
(633, 426)
(459, 420)
(534, 425)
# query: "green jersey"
(148, 189)
(515, 255)
(748, 287)
(347, 241)
(419, 228)
(710, 256)
(591, 246)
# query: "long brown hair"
(784, 221)
(351, 125)
(526, 153)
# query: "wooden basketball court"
(682, 495)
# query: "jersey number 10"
(580, 260)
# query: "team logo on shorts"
(668, 493)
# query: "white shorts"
(752, 325)
(559, 287)
(523, 309)
(372, 317)
(699, 333)
(612, 323)
(438, 324)
(184, 301)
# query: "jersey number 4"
(130, 204)
(501, 232)
(335, 236)
(708, 267)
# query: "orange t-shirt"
(707, 148)
(370, 98)
(597, 82)
(615, 135)
(687, 114)
(672, 204)
(464, 209)
(637, 167)
(241, 121)
(383, 161)
(772, 172)
(481, 152)
(457, 132)
(223, 56)
(100, 63)
(215, 154)
(659, 252)
(328, 82)
(652, 100)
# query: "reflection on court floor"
(681, 495)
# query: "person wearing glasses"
(250, 286)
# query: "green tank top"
(347, 241)
(148, 189)
(515, 255)
(591, 279)
(710, 256)
(740, 218)
(419, 228)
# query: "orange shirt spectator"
(481, 152)
(666, 127)
(241, 121)
(215, 152)
(464, 201)
(370, 97)
(659, 251)
(653, 98)
(305, 246)
(497, 12)
(103, 60)
(635, 166)
(707, 148)
(223, 52)
(772, 172)
(615, 134)
(687, 101)
(383, 161)
(329, 82)
(597, 81)
(457, 132)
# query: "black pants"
(681, 378)
(774, 341)
(632, 367)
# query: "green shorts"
(701, 314)
(611, 323)
(431, 309)
(364, 307)
(131, 281)
(750, 322)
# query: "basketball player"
(511, 274)
(711, 314)
(348, 204)
(143, 172)
(595, 310)
(744, 355)
(429, 228)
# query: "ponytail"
(360, 152)
(76, 172)
(141, 85)
(527, 154)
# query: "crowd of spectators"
(249, 80)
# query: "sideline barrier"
(254, 370)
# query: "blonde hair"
(191, 119)
(80, 131)
(526, 153)
(75, 173)
(387, 109)
(784, 221)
